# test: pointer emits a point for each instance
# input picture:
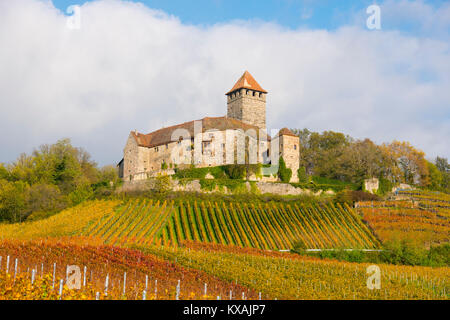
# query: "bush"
(302, 176)
(403, 252)
(192, 173)
(397, 252)
(80, 194)
(284, 173)
(235, 171)
(45, 198)
(384, 186)
(352, 196)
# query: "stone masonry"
(248, 106)
(238, 137)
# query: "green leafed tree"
(284, 173)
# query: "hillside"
(41, 265)
(272, 226)
(198, 271)
(421, 216)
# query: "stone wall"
(194, 186)
(143, 162)
(371, 185)
(248, 106)
(130, 158)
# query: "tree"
(284, 173)
(442, 164)
(409, 164)
(4, 173)
(360, 160)
(108, 174)
(436, 177)
(323, 150)
(12, 200)
(302, 176)
(44, 198)
(443, 167)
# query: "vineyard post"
(33, 273)
(243, 296)
(231, 295)
(7, 264)
(54, 274)
(178, 291)
(146, 282)
(206, 289)
(97, 296)
(0, 262)
(106, 284)
(61, 284)
(156, 288)
(15, 268)
(218, 297)
(84, 276)
(124, 282)
(259, 296)
(42, 269)
(144, 295)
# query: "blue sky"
(316, 14)
(130, 67)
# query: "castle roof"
(286, 132)
(164, 135)
(248, 82)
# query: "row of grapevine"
(138, 221)
(424, 220)
(267, 226)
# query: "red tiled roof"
(164, 135)
(286, 132)
(248, 82)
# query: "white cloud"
(130, 67)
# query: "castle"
(239, 137)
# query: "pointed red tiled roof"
(248, 82)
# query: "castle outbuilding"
(239, 137)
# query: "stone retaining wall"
(194, 186)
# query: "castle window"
(254, 93)
(295, 147)
(167, 146)
(260, 94)
(246, 92)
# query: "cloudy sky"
(144, 65)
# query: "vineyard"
(424, 217)
(267, 226)
(287, 276)
(38, 270)
(149, 249)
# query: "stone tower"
(289, 150)
(246, 101)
